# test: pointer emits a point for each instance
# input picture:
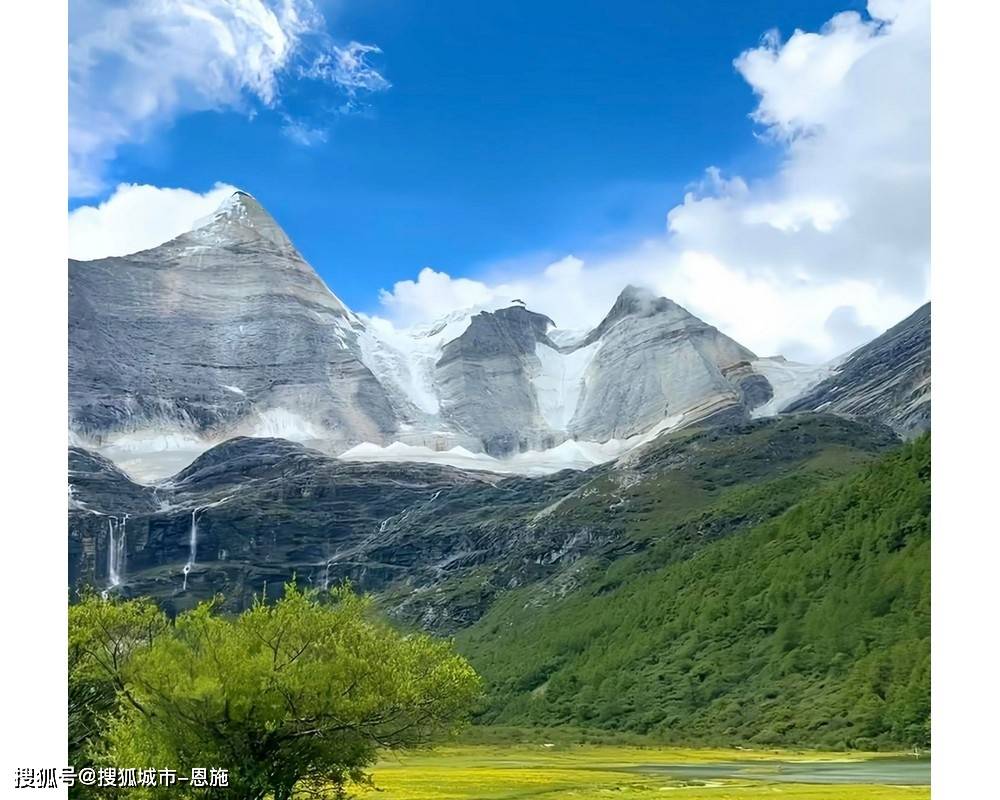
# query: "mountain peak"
(638, 301)
(641, 301)
(633, 291)
(241, 214)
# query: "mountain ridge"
(227, 331)
(862, 384)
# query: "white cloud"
(807, 262)
(136, 217)
(851, 107)
(409, 301)
(348, 67)
(799, 319)
(302, 133)
(137, 66)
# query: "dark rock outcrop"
(266, 511)
(438, 545)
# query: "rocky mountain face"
(439, 545)
(248, 512)
(221, 331)
(675, 365)
(227, 331)
(888, 379)
(506, 379)
(484, 380)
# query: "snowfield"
(568, 455)
(789, 380)
(403, 359)
(560, 381)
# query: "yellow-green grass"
(589, 772)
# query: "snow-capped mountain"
(223, 330)
(227, 331)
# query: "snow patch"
(559, 382)
(404, 358)
(150, 456)
(282, 423)
(789, 380)
(154, 442)
(566, 337)
(398, 451)
(571, 454)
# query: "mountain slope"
(888, 379)
(812, 628)
(248, 514)
(672, 496)
(221, 331)
(722, 583)
(226, 331)
(439, 545)
(654, 360)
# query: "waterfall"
(192, 547)
(116, 550)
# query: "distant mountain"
(652, 359)
(888, 379)
(226, 331)
(507, 379)
(221, 331)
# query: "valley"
(483, 401)
(642, 530)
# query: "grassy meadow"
(589, 772)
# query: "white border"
(966, 319)
(33, 165)
(966, 301)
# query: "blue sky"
(512, 135)
(510, 129)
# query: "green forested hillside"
(812, 628)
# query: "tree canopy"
(812, 628)
(293, 698)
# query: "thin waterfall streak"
(192, 547)
(116, 550)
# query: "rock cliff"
(888, 379)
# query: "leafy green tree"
(294, 698)
(103, 636)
